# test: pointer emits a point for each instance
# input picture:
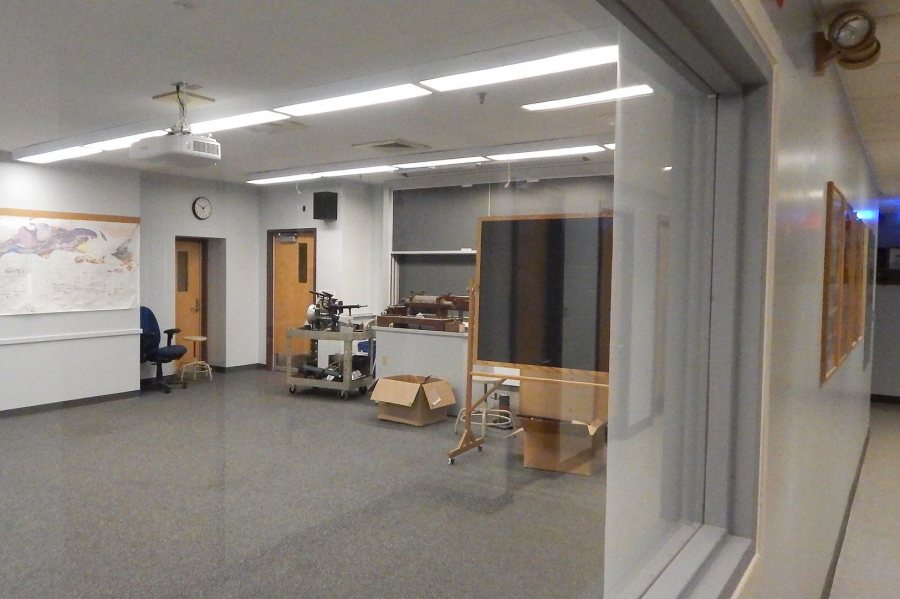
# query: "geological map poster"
(66, 262)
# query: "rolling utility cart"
(308, 374)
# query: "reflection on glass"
(660, 318)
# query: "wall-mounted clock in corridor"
(202, 208)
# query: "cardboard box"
(574, 447)
(564, 401)
(411, 399)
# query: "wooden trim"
(270, 281)
(515, 377)
(204, 297)
(111, 218)
(824, 371)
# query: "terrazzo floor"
(868, 563)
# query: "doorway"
(291, 281)
(190, 294)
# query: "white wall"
(812, 435)
(51, 371)
(234, 250)
(347, 257)
(885, 374)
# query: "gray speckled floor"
(237, 489)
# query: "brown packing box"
(562, 401)
(573, 447)
(411, 399)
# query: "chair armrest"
(169, 334)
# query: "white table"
(424, 353)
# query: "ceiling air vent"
(392, 145)
(283, 126)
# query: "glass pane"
(302, 262)
(660, 319)
(181, 266)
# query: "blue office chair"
(151, 350)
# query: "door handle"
(196, 307)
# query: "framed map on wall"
(844, 281)
(66, 262)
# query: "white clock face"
(202, 208)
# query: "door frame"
(270, 283)
(204, 286)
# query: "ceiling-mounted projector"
(180, 146)
(185, 149)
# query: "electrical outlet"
(384, 360)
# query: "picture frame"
(845, 298)
(833, 280)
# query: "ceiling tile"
(884, 108)
(880, 79)
(880, 129)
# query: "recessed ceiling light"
(612, 95)
(358, 171)
(667, 168)
(120, 143)
(569, 61)
(285, 179)
(609, 146)
(447, 162)
(238, 120)
(367, 98)
(548, 153)
(64, 154)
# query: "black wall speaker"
(325, 205)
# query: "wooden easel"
(468, 440)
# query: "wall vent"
(392, 145)
(283, 126)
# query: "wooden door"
(189, 295)
(293, 278)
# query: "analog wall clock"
(202, 208)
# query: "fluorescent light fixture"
(64, 154)
(358, 171)
(124, 142)
(367, 98)
(667, 168)
(238, 120)
(548, 153)
(285, 179)
(308, 176)
(609, 146)
(612, 95)
(589, 57)
(447, 162)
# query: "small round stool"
(196, 365)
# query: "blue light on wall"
(869, 216)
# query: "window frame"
(732, 63)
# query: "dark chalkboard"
(544, 291)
